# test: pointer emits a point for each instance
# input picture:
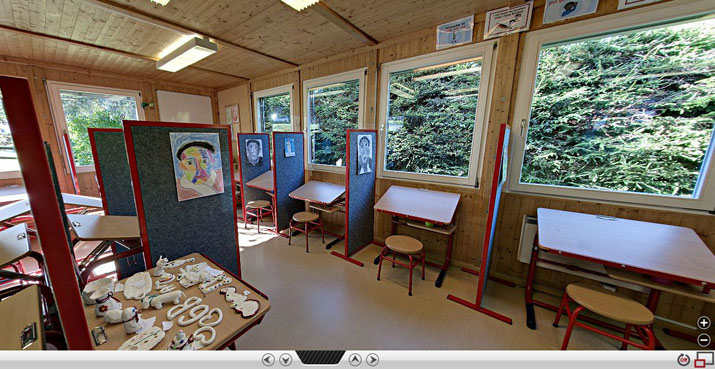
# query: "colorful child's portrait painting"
(197, 164)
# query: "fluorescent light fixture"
(161, 2)
(187, 54)
(300, 4)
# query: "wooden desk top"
(318, 192)
(104, 227)
(231, 324)
(14, 244)
(12, 193)
(262, 182)
(86, 201)
(15, 209)
(419, 204)
(659, 248)
(17, 312)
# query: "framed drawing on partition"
(197, 164)
(289, 147)
(254, 152)
(364, 154)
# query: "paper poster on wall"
(625, 4)
(228, 115)
(557, 10)
(197, 164)
(234, 114)
(455, 33)
(364, 154)
(504, 21)
(254, 152)
(289, 147)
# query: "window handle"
(523, 124)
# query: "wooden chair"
(257, 209)
(634, 315)
(307, 218)
(407, 246)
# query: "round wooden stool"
(257, 209)
(615, 306)
(307, 218)
(406, 246)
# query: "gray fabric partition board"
(173, 228)
(249, 171)
(288, 174)
(498, 180)
(115, 185)
(359, 190)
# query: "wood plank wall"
(37, 73)
(471, 213)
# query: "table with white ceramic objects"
(231, 327)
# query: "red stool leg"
(379, 266)
(306, 237)
(290, 231)
(651, 337)
(626, 336)
(564, 302)
(572, 320)
(409, 292)
(423, 265)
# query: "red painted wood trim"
(490, 215)
(70, 158)
(60, 264)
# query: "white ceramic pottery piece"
(145, 340)
(90, 287)
(137, 286)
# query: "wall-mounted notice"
(557, 10)
(197, 164)
(504, 21)
(625, 4)
(232, 116)
(455, 33)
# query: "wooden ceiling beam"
(106, 49)
(344, 24)
(169, 25)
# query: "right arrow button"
(372, 360)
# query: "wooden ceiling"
(255, 37)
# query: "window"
(433, 113)
(76, 108)
(332, 105)
(274, 109)
(621, 115)
(9, 167)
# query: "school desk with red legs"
(322, 196)
(108, 229)
(422, 205)
(666, 254)
(265, 182)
